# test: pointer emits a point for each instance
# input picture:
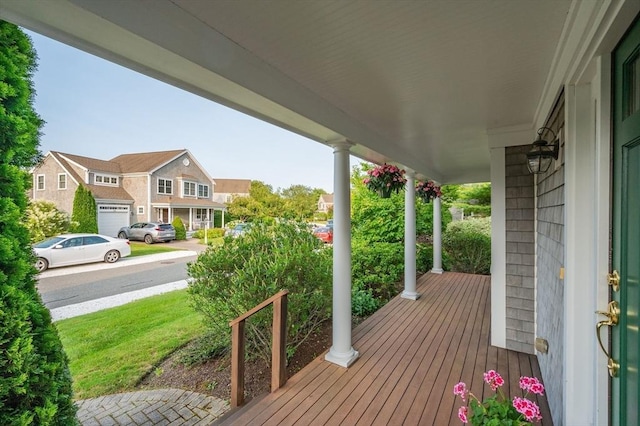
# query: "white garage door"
(111, 218)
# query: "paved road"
(72, 288)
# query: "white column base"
(412, 295)
(342, 359)
(436, 271)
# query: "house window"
(105, 180)
(165, 186)
(140, 209)
(62, 181)
(189, 189)
(201, 214)
(40, 182)
(229, 198)
(203, 191)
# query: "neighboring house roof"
(91, 163)
(232, 186)
(146, 161)
(326, 198)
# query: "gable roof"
(146, 161)
(326, 198)
(89, 163)
(232, 186)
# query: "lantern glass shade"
(542, 152)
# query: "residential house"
(325, 203)
(454, 92)
(151, 186)
(228, 189)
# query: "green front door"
(625, 344)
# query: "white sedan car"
(74, 249)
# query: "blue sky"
(98, 109)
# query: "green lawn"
(139, 248)
(110, 350)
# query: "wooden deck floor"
(412, 353)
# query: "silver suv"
(149, 232)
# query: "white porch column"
(341, 352)
(190, 219)
(222, 225)
(410, 238)
(437, 236)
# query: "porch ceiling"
(417, 83)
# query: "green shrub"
(181, 232)
(35, 384)
(468, 245)
(424, 258)
(211, 233)
(44, 220)
(230, 280)
(377, 267)
(363, 302)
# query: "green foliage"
(181, 232)
(450, 193)
(35, 384)
(468, 244)
(43, 219)
(424, 258)
(363, 302)
(84, 216)
(299, 202)
(377, 267)
(228, 281)
(474, 210)
(376, 219)
(480, 193)
(211, 233)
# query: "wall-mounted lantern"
(542, 152)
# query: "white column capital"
(340, 145)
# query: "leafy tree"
(229, 280)
(35, 384)
(181, 232)
(45, 220)
(480, 193)
(84, 216)
(300, 202)
(245, 209)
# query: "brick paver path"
(152, 407)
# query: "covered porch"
(412, 354)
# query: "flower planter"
(385, 179)
(384, 192)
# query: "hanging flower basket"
(385, 180)
(427, 191)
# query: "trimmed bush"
(468, 245)
(181, 232)
(230, 280)
(35, 384)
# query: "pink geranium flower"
(462, 414)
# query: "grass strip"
(143, 249)
(111, 350)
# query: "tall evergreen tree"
(83, 217)
(35, 384)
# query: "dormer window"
(105, 180)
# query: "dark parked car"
(149, 232)
(324, 233)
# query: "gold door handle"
(614, 280)
(612, 314)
